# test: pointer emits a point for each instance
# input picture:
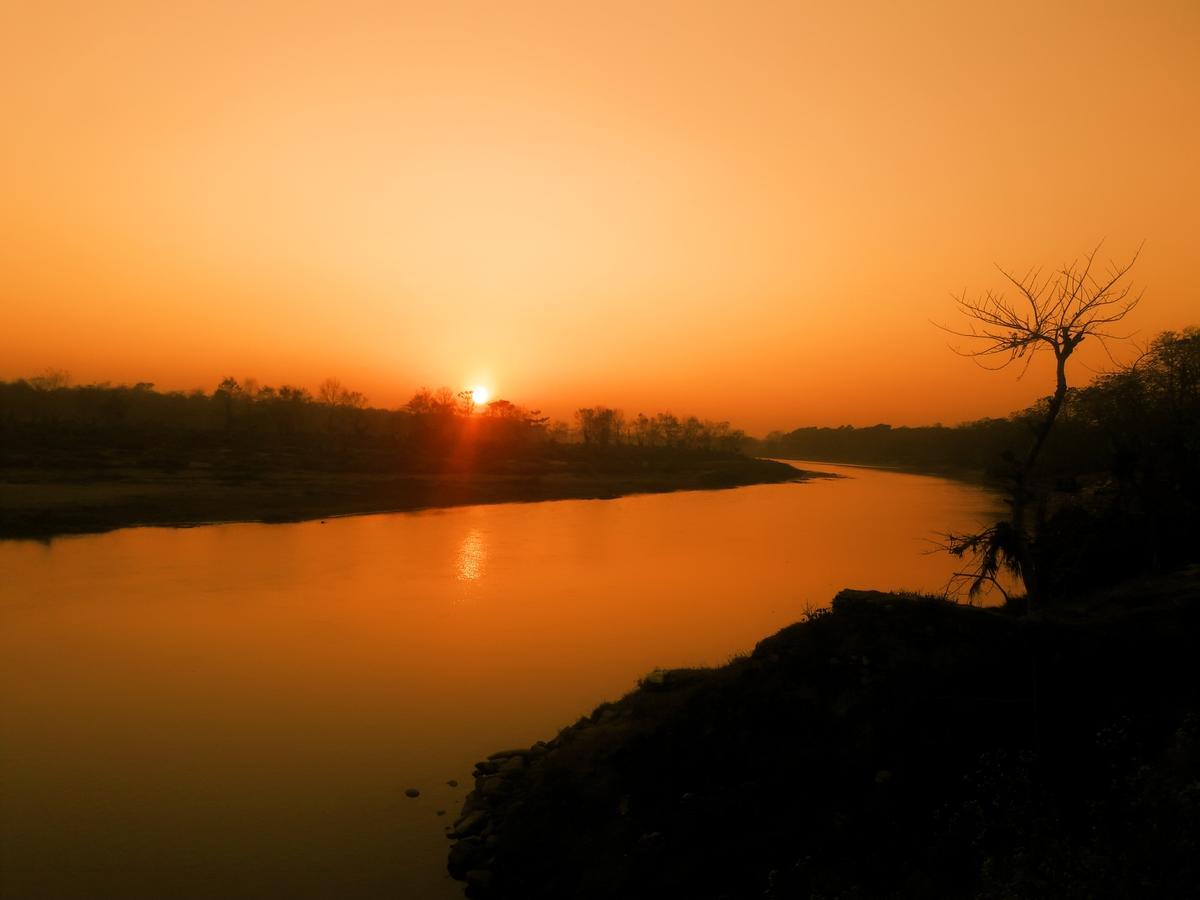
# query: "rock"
(441, 812)
(487, 767)
(849, 599)
(465, 855)
(412, 792)
(493, 786)
(669, 680)
(470, 824)
(512, 764)
(505, 754)
(480, 879)
(656, 680)
(453, 782)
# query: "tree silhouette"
(226, 392)
(50, 380)
(1052, 312)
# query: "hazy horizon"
(746, 215)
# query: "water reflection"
(236, 711)
(471, 559)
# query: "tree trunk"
(1021, 495)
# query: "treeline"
(1126, 463)
(246, 406)
(602, 426)
(46, 421)
(971, 445)
(1120, 474)
(1110, 419)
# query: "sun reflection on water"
(471, 559)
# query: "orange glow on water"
(186, 709)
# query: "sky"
(748, 211)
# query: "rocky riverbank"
(893, 746)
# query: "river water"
(236, 711)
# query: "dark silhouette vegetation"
(92, 457)
(1054, 313)
(911, 746)
(1116, 487)
(895, 746)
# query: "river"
(236, 711)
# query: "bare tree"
(329, 392)
(50, 380)
(1053, 312)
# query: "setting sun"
(666, 391)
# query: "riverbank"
(44, 503)
(894, 746)
(966, 474)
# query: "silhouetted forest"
(1119, 476)
(93, 457)
(335, 425)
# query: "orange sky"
(743, 210)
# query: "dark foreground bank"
(894, 746)
(42, 502)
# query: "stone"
(412, 792)
(655, 680)
(472, 803)
(504, 754)
(453, 782)
(479, 878)
(470, 824)
(464, 855)
(492, 786)
(512, 764)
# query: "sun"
(480, 395)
